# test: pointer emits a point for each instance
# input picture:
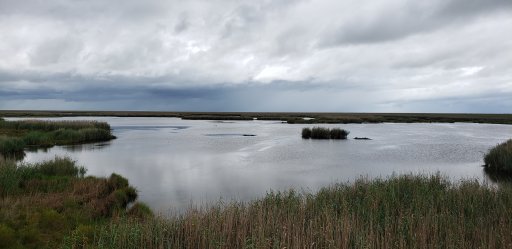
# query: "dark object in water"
(362, 138)
(230, 135)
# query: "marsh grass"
(42, 203)
(10, 146)
(17, 135)
(324, 133)
(400, 212)
(499, 158)
(46, 125)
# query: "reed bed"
(399, 212)
(324, 133)
(499, 158)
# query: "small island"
(324, 133)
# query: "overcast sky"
(288, 55)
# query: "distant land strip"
(288, 117)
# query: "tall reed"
(400, 212)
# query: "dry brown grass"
(403, 212)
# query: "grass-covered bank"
(15, 136)
(400, 212)
(41, 204)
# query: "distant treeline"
(324, 133)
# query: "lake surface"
(174, 162)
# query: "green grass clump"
(11, 146)
(324, 133)
(399, 212)
(499, 158)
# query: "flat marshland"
(288, 117)
(52, 204)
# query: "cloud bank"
(223, 55)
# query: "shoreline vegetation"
(499, 159)
(43, 203)
(324, 133)
(399, 212)
(15, 136)
(292, 118)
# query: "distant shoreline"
(288, 117)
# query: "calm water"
(174, 162)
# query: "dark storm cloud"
(227, 55)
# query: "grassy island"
(324, 133)
(15, 136)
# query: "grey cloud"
(404, 19)
(298, 55)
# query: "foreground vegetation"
(334, 118)
(499, 158)
(15, 136)
(400, 212)
(41, 204)
(324, 133)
